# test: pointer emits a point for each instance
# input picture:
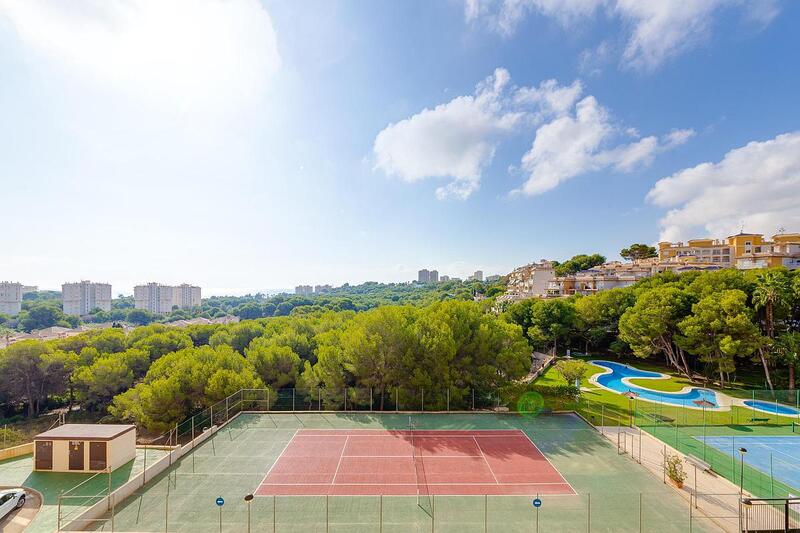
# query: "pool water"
(614, 380)
(772, 407)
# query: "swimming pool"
(772, 408)
(618, 372)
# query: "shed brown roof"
(86, 432)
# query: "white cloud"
(577, 144)
(455, 140)
(458, 139)
(757, 185)
(183, 55)
(656, 30)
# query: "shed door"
(76, 455)
(97, 456)
(44, 455)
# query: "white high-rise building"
(160, 299)
(83, 297)
(10, 298)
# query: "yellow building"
(743, 251)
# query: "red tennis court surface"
(371, 462)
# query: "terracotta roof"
(86, 431)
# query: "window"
(5, 498)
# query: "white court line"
(341, 454)
(486, 461)
(409, 456)
(277, 459)
(548, 462)
(407, 484)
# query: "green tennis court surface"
(614, 493)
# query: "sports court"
(775, 454)
(355, 472)
(364, 462)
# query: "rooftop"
(86, 431)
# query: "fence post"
(226, 409)
(473, 399)
(664, 464)
(448, 399)
(370, 399)
(319, 399)
(423, 399)
(485, 513)
(212, 416)
(345, 399)
(640, 510)
(109, 489)
(589, 513)
(274, 519)
(144, 472)
(396, 400)
(166, 508)
(293, 390)
(380, 516)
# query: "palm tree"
(772, 292)
(788, 346)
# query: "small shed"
(84, 447)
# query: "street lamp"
(248, 499)
(742, 451)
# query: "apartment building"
(10, 298)
(530, 281)
(424, 276)
(82, 297)
(304, 290)
(160, 299)
(477, 276)
(434, 276)
(322, 289)
(743, 251)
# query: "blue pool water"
(613, 381)
(772, 407)
(783, 452)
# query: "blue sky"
(245, 145)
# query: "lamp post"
(248, 499)
(742, 451)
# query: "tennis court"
(776, 455)
(582, 481)
(407, 462)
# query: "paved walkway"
(715, 499)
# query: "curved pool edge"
(723, 402)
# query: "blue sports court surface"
(776, 456)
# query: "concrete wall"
(121, 450)
(16, 451)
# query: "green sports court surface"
(241, 457)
